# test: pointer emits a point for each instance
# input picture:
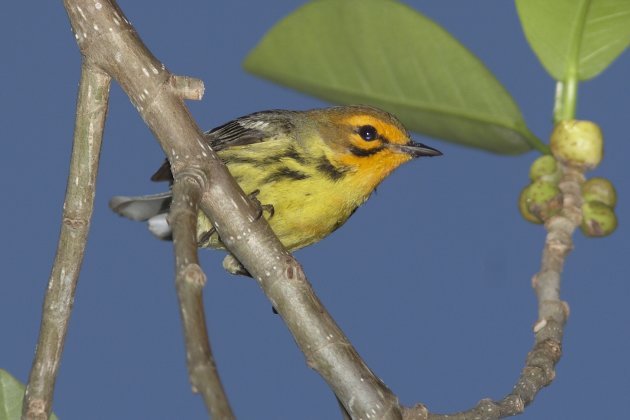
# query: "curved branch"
(539, 370)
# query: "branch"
(77, 213)
(539, 370)
(108, 41)
(190, 280)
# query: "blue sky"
(430, 279)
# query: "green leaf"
(576, 38)
(384, 53)
(11, 394)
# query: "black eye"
(367, 132)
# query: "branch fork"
(112, 49)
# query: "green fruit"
(599, 189)
(522, 206)
(540, 200)
(598, 219)
(578, 143)
(545, 168)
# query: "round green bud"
(598, 219)
(545, 168)
(523, 208)
(578, 143)
(542, 200)
(600, 189)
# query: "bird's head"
(368, 141)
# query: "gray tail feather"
(141, 208)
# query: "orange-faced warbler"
(309, 170)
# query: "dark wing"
(252, 128)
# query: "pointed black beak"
(416, 149)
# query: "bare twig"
(77, 212)
(190, 280)
(539, 370)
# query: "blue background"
(430, 279)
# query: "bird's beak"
(416, 149)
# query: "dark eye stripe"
(357, 151)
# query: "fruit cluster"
(576, 144)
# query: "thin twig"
(190, 281)
(77, 213)
(539, 370)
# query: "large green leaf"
(576, 38)
(381, 52)
(11, 394)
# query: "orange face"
(372, 143)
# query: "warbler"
(309, 170)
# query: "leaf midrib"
(576, 41)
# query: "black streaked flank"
(289, 153)
(241, 159)
(327, 168)
(287, 173)
(292, 153)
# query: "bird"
(308, 171)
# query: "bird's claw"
(261, 207)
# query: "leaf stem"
(536, 143)
(566, 98)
